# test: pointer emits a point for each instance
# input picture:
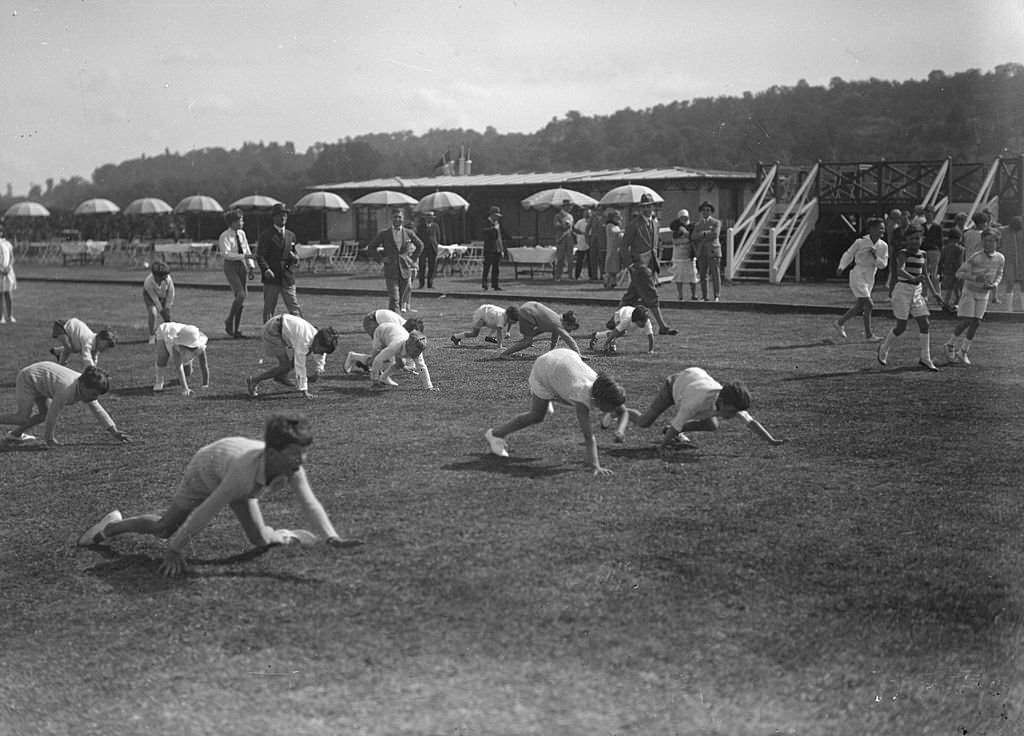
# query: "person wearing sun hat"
(177, 346)
(275, 253)
(705, 239)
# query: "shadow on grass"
(116, 563)
(824, 342)
(515, 467)
(873, 371)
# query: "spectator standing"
(8, 279)
(430, 234)
(1011, 245)
(705, 238)
(494, 248)
(239, 267)
(950, 260)
(895, 224)
(565, 239)
(684, 261)
(400, 247)
(640, 241)
(598, 244)
(613, 234)
(277, 259)
(582, 254)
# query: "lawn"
(864, 577)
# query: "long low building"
(680, 187)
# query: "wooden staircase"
(757, 265)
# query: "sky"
(92, 82)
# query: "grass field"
(862, 578)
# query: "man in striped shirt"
(48, 388)
(908, 298)
(233, 472)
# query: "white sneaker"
(3, 320)
(251, 388)
(94, 534)
(840, 330)
(498, 445)
(883, 353)
(152, 340)
(962, 356)
(389, 381)
(928, 364)
(17, 438)
(606, 420)
(349, 363)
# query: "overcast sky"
(90, 82)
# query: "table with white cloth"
(448, 256)
(314, 255)
(84, 251)
(188, 254)
(528, 258)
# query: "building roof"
(553, 179)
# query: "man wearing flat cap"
(275, 253)
(705, 242)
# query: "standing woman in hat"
(494, 248)
(706, 245)
(275, 253)
(177, 346)
(239, 266)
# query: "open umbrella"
(97, 206)
(255, 202)
(198, 205)
(322, 201)
(442, 202)
(386, 198)
(27, 209)
(147, 206)
(628, 194)
(548, 198)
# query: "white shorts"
(862, 281)
(972, 304)
(908, 301)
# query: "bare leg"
(535, 415)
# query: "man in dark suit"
(275, 253)
(430, 234)
(641, 242)
(401, 246)
(494, 247)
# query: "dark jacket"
(277, 254)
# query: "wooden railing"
(788, 235)
(750, 224)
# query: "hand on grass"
(339, 543)
(602, 471)
(187, 392)
(173, 564)
(119, 435)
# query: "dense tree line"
(970, 115)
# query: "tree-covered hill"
(970, 115)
